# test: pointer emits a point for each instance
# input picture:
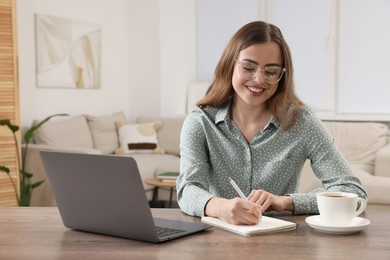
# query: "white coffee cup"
(339, 208)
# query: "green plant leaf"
(26, 175)
(7, 123)
(37, 184)
(27, 136)
(25, 195)
(4, 169)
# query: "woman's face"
(256, 91)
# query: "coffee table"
(157, 183)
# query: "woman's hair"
(284, 104)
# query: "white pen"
(237, 189)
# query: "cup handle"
(363, 205)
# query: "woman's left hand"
(269, 201)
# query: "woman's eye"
(270, 73)
(248, 69)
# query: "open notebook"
(266, 225)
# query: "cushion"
(69, 132)
(104, 132)
(169, 134)
(377, 187)
(358, 142)
(138, 138)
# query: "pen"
(237, 189)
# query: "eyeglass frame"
(283, 70)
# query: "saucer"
(356, 225)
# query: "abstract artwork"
(68, 53)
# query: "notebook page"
(266, 225)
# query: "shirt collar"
(223, 115)
(274, 121)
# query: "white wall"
(151, 51)
(177, 49)
(217, 21)
(144, 58)
(148, 58)
(114, 93)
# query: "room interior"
(149, 56)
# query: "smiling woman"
(252, 127)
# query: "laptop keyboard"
(164, 231)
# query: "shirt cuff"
(304, 203)
(201, 205)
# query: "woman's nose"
(259, 77)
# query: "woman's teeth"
(257, 90)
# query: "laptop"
(104, 194)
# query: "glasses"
(271, 74)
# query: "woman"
(252, 127)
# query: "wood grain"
(9, 100)
(38, 233)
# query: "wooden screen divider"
(9, 100)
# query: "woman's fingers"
(243, 212)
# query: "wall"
(215, 28)
(151, 51)
(148, 58)
(177, 49)
(161, 56)
(114, 93)
(144, 58)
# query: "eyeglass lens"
(271, 74)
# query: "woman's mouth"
(255, 90)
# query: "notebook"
(104, 194)
(266, 225)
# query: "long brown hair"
(284, 104)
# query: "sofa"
(365, 145)
(99, 135)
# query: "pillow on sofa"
(69, 132)
(104, 132)
(138, 138)
(168, 135)
(358, 142)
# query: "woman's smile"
(255, 90)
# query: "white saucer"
(356, 225)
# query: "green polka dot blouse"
(212, 149)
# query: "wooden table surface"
(38, 233)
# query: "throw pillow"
(64, 132)
(138, 138)
(168, 135)
(104, 132)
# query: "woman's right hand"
(234, 211)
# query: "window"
(340, 49)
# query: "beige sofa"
(365, 146)
(98, 135)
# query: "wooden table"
(38, 233)
(157, 183)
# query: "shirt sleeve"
(193, 181)
(329, 165)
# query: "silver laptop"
(104, 194)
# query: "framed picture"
(68, 53)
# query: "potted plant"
(23, 196)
